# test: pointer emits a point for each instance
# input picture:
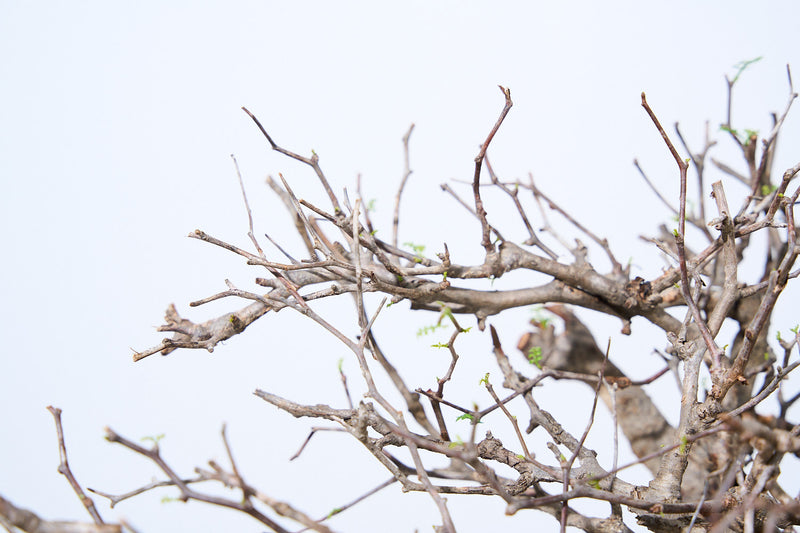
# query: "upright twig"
(275, 272)
(777, 283)
(250, 232)
(667, 482)
(768, 142)
(680, 238)
(568, 466)
(406, 174)
(476, 187)
(246, 491)
(699, 161)
(356, 252)
(64, 469)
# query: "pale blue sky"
(117, 122)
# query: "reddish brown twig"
(680, 239)
(476, 187)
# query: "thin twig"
(572, 220)
(340, 509)
(513, 193)
(476, 189)
(250, 232)
(511, 418)
(653, 187)
(681, 237)
(312, 161)
(187, 492)
(64, 469)
(246, 492)
(406, 174)
(612, 393)
(308, 439)
(576, 452)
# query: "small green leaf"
(778, 336)
(741, 66)
(675, 232)
(427, 330)
(418, 250)
(336, 510)
(484, 380)
(155, 440)
(534, 356)
(684, 443)
(594, 483)
(541, 315)
(466, 416)
(339, 364)
(447, 312)
(750, 136)
(440, 345)
(795, 329)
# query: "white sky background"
(116, 129)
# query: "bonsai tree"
(716, 469)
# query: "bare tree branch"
(716, 469)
